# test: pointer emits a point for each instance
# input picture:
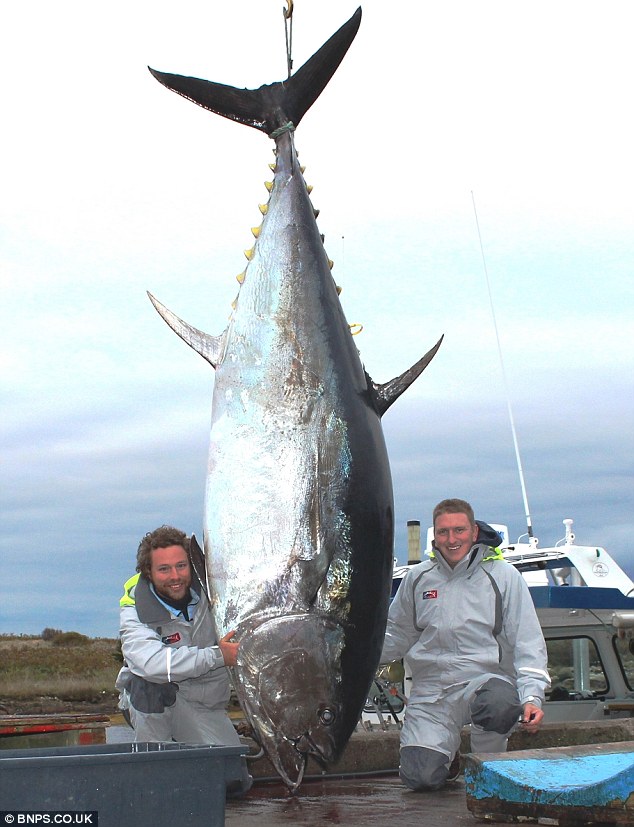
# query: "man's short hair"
(454, 507)
(162, 537)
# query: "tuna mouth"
(293, 759)
(306, 746)
(290, 764)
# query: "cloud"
(574, 466)
(75, 515)
(113, 186)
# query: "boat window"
(575, 669)
(624, 648)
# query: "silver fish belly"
(282, 468)
(298, 534)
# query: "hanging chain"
(288, 30)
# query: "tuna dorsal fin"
(385, 394)
(210, 348)
(197, 557)
(271, 106)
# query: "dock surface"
(361, 801)
(354, 798)
(379, 801)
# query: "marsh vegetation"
(58, 672)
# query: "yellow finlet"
(309, 188)
(302, 170)
(339, 289)
(315, 212)
(249, 253)
(256, 231)
(272, 167)
(241, 277)
(264, 208)
(331, 263)
(268, 185)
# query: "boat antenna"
(518, 458)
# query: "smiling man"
(465, 622)
(174, 684)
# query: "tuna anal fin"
(385, 394)
(210, 348)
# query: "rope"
(288, 33)
(288, 127)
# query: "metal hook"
(288, 12)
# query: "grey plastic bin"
(151, 784)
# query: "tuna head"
(286, 679)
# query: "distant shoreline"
(58, 673)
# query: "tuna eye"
(326, 715)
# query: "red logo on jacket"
(432, 594)
(171, 638)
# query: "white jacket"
(163, 648)
(454, 625)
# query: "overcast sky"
(110, 185)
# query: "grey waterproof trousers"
(431, 732)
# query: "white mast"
(529, 523)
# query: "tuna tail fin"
(385, 394)
(271, 106)
(210, 348)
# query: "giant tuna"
(299, 525)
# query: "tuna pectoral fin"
(385, 394)
(210, 348)
(271, 106)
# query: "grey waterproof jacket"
(165, 654)
(454, 625)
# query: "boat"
(585, 605)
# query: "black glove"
(151, 697)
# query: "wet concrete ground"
(358, 802)
(379, 800)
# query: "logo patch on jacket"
(171, 638)
(432, 594)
